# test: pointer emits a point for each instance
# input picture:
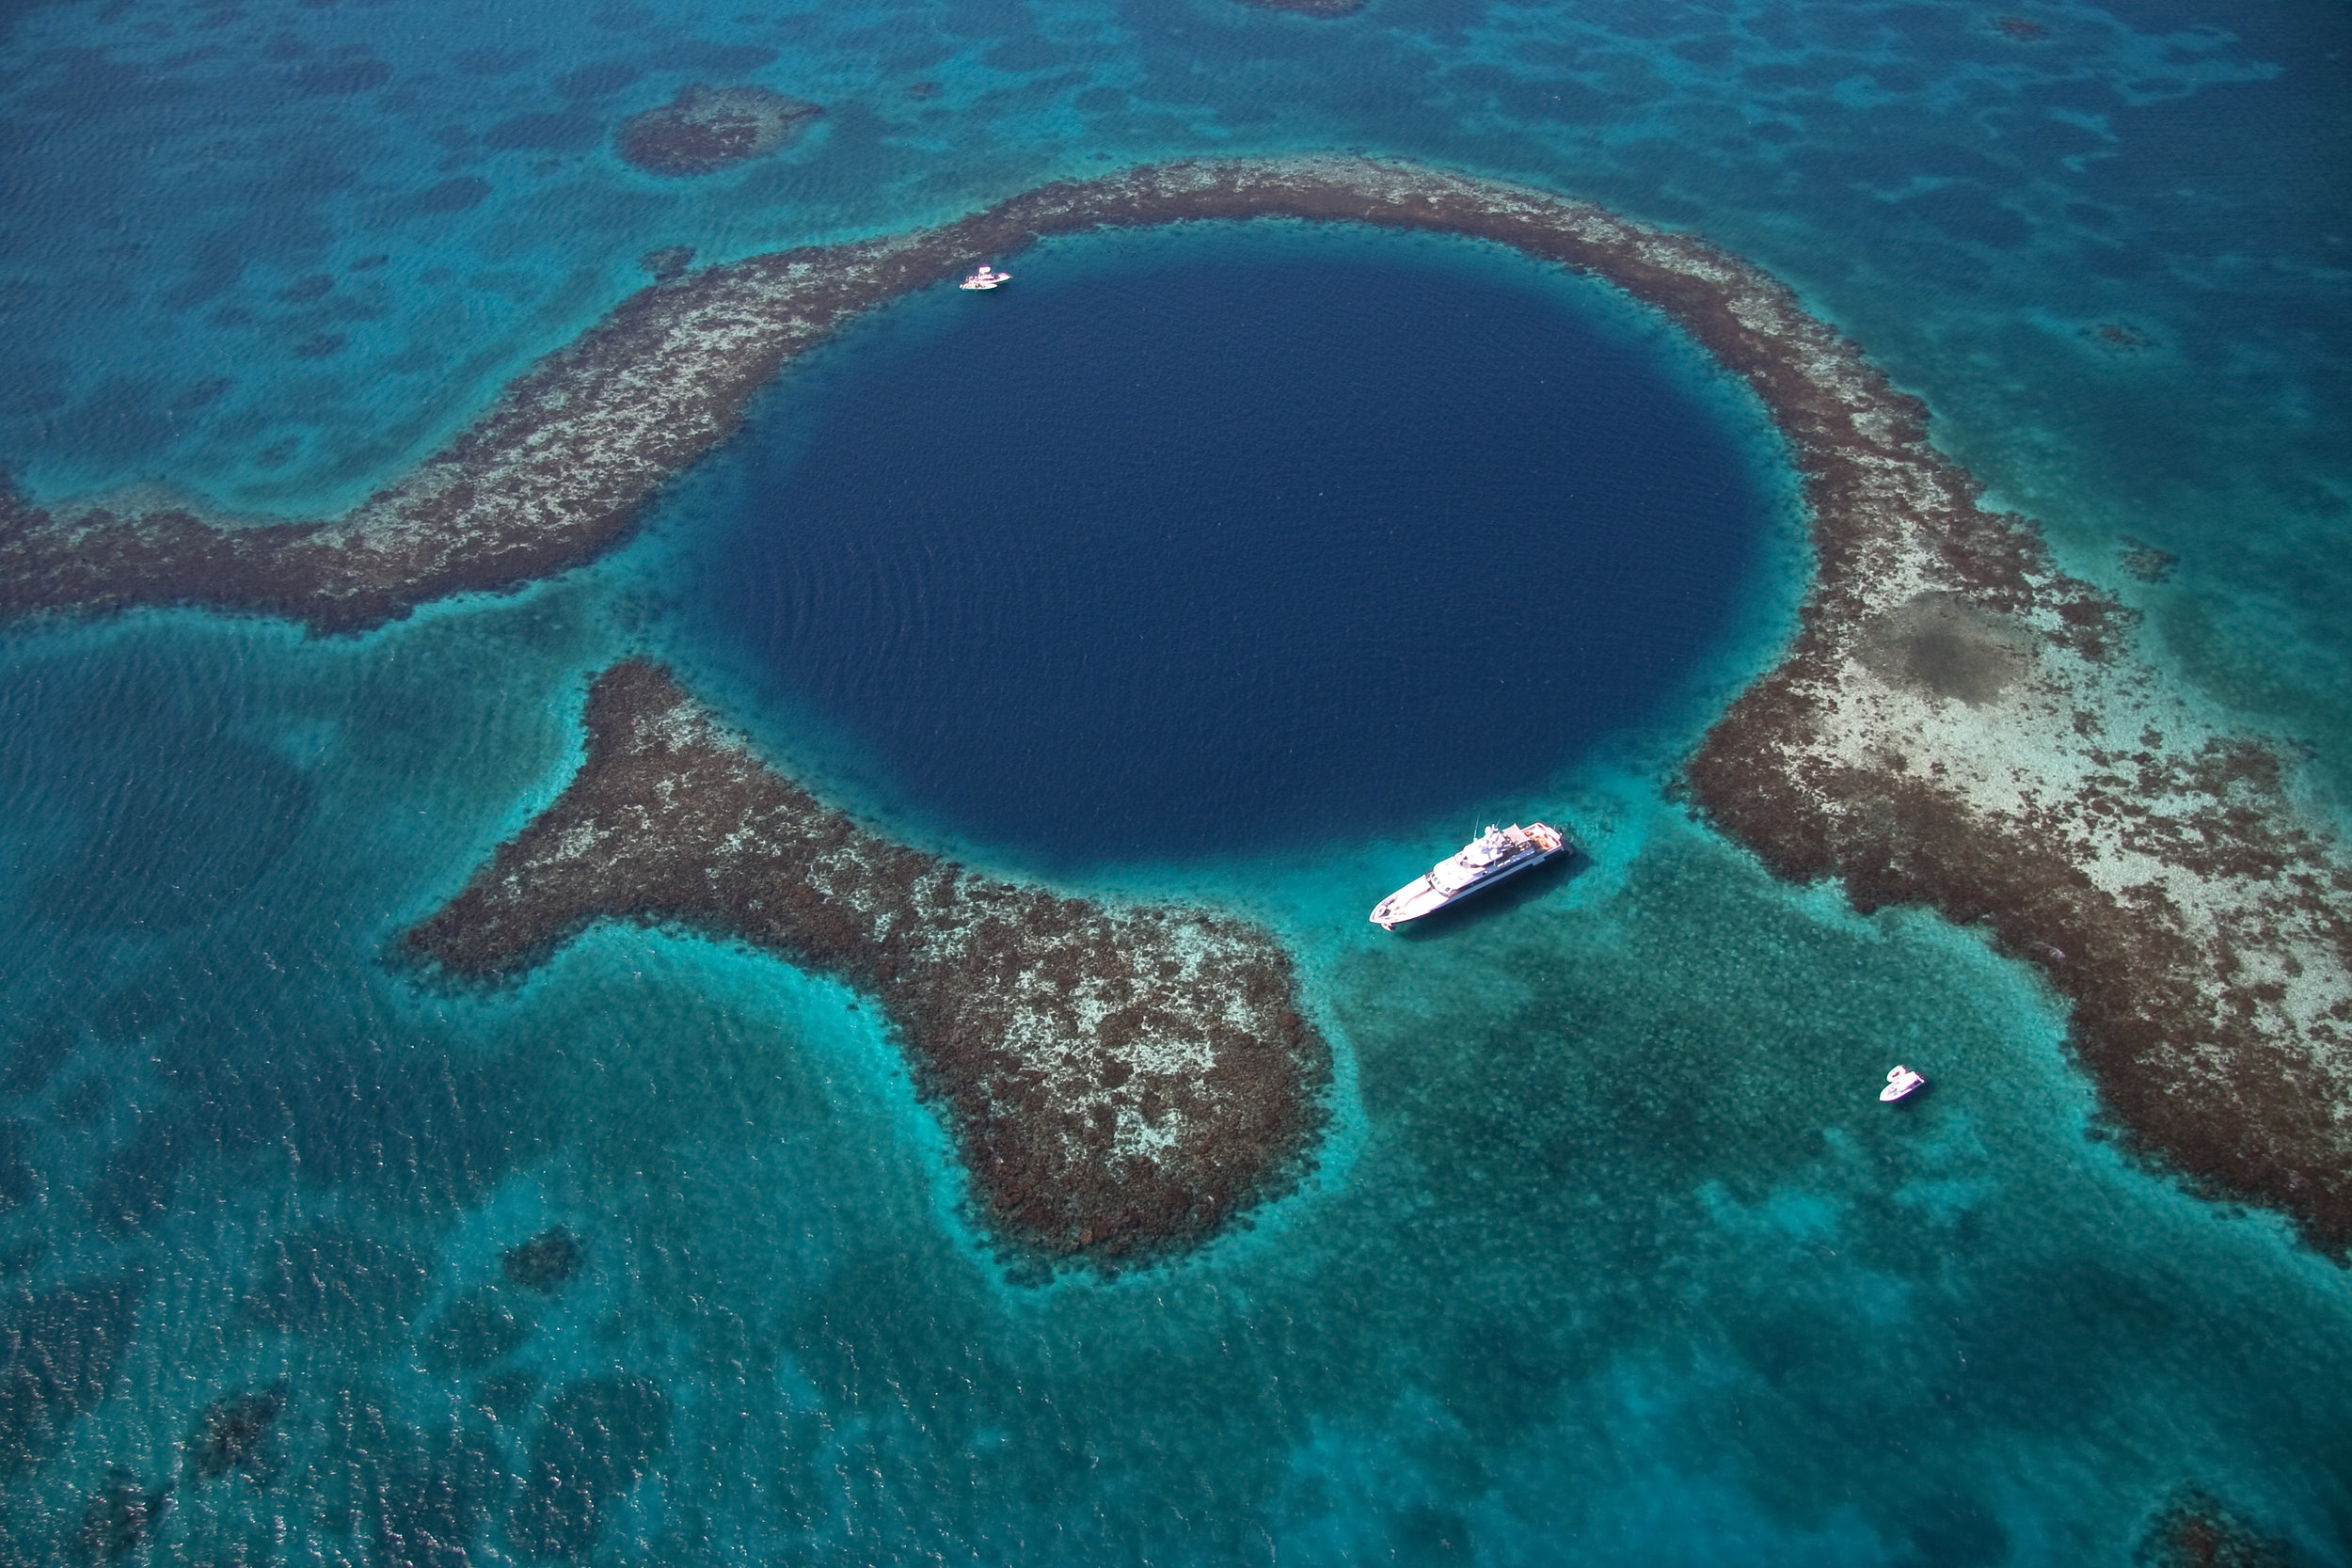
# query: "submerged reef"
(233, 1433)
(1313, 7)
(2199, 1531)
(58, 1352)
(119, 1519)
(1956, 723)
(543, 1262)
(597, 1437)
(1961, 724)
(2145, 562)
(1121, 1079)
(669, 264)
(704, 129)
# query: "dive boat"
(987, 278)
(1899, 1083)
(1496, 854)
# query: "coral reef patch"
(433, 1497)
(58, 1350)
(669, 264)
(18, 1181)
(543, 1262)
(2144, 562)
(2199, 1531)
(1956, 723)
(2118, 337)
(595, 1439)
(234, 1434)
(1121, 1079)
(1959, 723)
(118, 1520)
(704, 129)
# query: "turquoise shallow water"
(1609, 1256)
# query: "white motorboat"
(987, 278)
(1901, 1082)
(1494, 855)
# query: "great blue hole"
(1245, 539)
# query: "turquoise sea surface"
(1607, 1255)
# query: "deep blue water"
(1610, 1256)
(1154, 555)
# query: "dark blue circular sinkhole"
(1236, 546)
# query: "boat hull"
(1421, 898)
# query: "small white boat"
(1899, 1083)
(987, 278)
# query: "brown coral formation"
(558, 472)
(705, 129)
(1955, 724)
(2118, 337)
(118, 1520)
(234, 1434)
(2199, 1531)
(545, 1263)
(1121, 1079)
(1313, 7)
(2145, 562)
(58, 1352)
(669, 264)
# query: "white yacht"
(1902, 1082)
(987, 278)
(1496, 854)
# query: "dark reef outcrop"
(2199, 1531)
(545, 1263)
(1121, 1079)
(118, 1519)
(704, 129)
(233, 1433)
(596, 1438)
(1956, 722)
(58, 1350)
(1313, 7)
(669, 264)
